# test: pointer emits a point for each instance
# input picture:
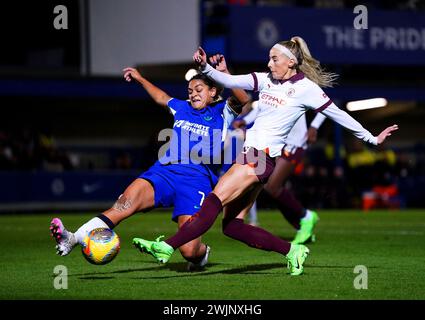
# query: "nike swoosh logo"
(90, 188)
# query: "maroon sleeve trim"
(255, 81)
(327, 104)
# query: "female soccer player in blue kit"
(285, 93)
(184, 175)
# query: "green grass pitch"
(390, 244)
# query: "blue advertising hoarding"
(393, 38)
(61, 190)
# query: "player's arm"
(246, 81)
(246, 118)
(348, 122)
(314, 127)
(156, 93)
(247, 108)
(241, 97)
(316, 99)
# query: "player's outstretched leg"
(296, 258)
(160, 250)
(306, 232)
(65, 240)
(259, 238)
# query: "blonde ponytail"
(307, 64)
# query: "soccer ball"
(101, 246)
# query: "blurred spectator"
(30, 150)
(123, 161)
(52, 159)
(7, 158)
(329, 4)
(150, 152)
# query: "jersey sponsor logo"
(272, 100)
(192, 127)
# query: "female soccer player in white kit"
(285, 93)
(301, 218)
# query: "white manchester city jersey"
(298, 135)
(281, 103)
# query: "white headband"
(285, 51)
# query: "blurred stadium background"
(74, 134)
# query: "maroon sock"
(290, 207)
(199, 223)
(254, 237)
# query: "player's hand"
(386, 133)
(131, 73)
(311, 135)
(239, 124)
(200, 57)
(219, 62)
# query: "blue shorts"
(183, 187)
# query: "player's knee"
(188, 251)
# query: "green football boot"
(306, 232)
(296, 258)
(160, 250)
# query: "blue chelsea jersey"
(197, 137)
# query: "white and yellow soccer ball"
(101, 246)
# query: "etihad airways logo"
(272, 100)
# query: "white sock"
(94, 223)
(308, 214)
(253, 213)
